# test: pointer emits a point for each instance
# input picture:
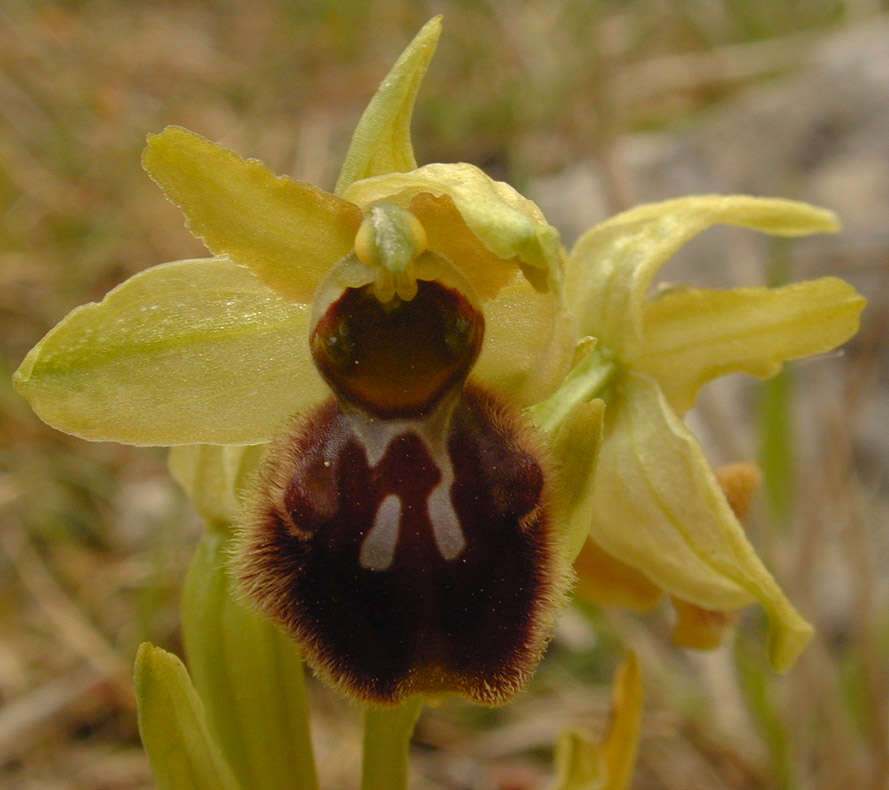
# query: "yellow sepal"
(529, 343)
(659, 508)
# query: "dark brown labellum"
(404, 560)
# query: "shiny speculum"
(397, 358)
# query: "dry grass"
(93, 538)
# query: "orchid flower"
(403, 407)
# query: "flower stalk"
(385, 749)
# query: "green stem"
(387, 737)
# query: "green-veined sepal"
(575, 443)
(529, 343)
(190, 352)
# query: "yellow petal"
(287, 232)
(190, 352)
(508, 224)
(693, 335)
(448, 233)
(610, 269)
(382, 140)
(214, 477)
(659, 508)
(528, 345)
(606, 581)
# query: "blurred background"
(588, 107)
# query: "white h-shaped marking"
(378, 548)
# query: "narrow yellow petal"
(610, 269)
(659, 508)
(693, 335)
(382, 140)
(578, 763)
(287, 232)
(509, 225)
(190, 352)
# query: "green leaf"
(382, 140)
(653, 475)
(190, 352)
(250, 676)
(287, 232)
(693, 335)
(173, 726)
(612, 265)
